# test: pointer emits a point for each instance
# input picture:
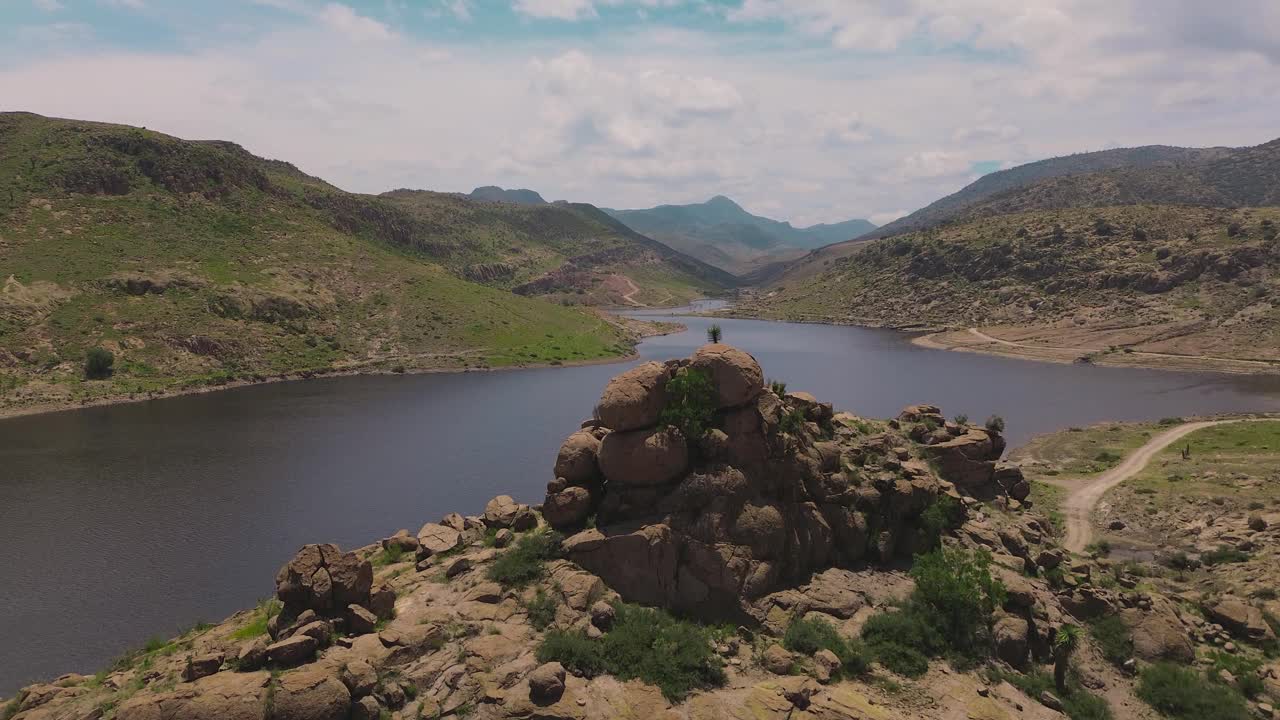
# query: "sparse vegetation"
(714, 333)
(646, 644)
(525, 562)
(542, 609)
(778, 387)
(944, 514)
(257, 624)
(1183, 694)
(809, 636)
(995, 424)
(1077, 702)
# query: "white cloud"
(460, 9)
(556, 9)
(48, 5)
(669, 114)
(129, 4)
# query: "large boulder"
(1010, 636)
(567, 508)
(501, 512)
(644, 457)
(1158, 635)
(736, 375)
(576, 461)
(223, 696)
(634, 399)
(324, 579)
(546, 683)
(1239, 618)
(310, 695)
(435, 538)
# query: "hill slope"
(493, 193)
(998, 183)
(198, 263)
(570, 253)
(1119, 281)
(722, 233)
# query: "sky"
(803, 110)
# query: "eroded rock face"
(777, 488)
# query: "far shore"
(644, 331)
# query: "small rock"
(827, 664)
(777, 660)
(252, 656)
(546, 683)
(984, 691)
(503, 538)
(1050, 701)
(603, 615)
(366, 708)
(293, 651)
(359, 677)
(360, 621)
(392, 695)
(202, 666)
(457, 567)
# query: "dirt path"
(630, 295)
(1084, 351)
(1079, 504)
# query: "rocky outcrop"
(775, 488)
(325, 580)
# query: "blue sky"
(809, 110)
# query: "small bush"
(1182, 694)
(714, 333)
(98, 363)
(995, 423)
(809, 636)
(541, 609)
(390, 555)
(961, 419)
(1101, 548)
(691, 404)
(526, 561)
(778, 387)
(1244, 669)
(1078, 704)
(1107, 456)
(791, 422)
(645, 644)
(1224, 555)
(901, 659)
(1113, 639)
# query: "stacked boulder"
(322, 590)
(966, 456)
(774, 489)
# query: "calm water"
(119, 523)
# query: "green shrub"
(809, 636)
(962, 419)
(957, 589)
(791, 421)
(526, 561)
(98, 363)
(390, 555)
(1101, 548)
(995, 423)
(691, 403)
(1224, 555)
(1078, 703)
(901, 659)
(257, 625)
(714, 333)
(645, 644)
(1107, 456)
(1182, 694)
(1113, 639)
(541, 609)
(1245, 670)
(778, 387)
(945, 513)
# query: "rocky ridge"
(781, 509)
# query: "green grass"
(1113, 639)
(1183, 694)
(257, 625)
(525, 562)
(645, 644)
(389, 555)
(1078, 703)
(542, 609)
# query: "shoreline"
(931, 338)
(9, 413)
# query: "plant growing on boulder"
(995, 424)
(691, 403)
(778, 387)
(943, 514)
(714, 333)
(98, 363)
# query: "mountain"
(722, 233)
(198, 263)
(1153, 173)
(1167, 285)
(493, 193)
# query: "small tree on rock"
(714, 333)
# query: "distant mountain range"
(722, 233)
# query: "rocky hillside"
(1164, 163)
(197, 263)
(822, 565)
(723, 234)
(1106, 284)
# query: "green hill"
(197, 263)
(722, 233)
(1014, 180)
(493, 193)
(1169, 279)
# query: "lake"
(123, 522)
